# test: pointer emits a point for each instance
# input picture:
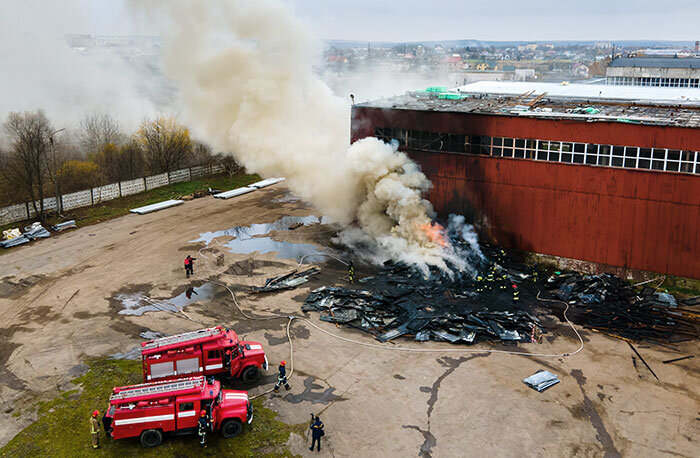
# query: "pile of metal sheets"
(36, 231)
(287, 281)
(541, 380)
(14, 241)
(266, 183)
(64, 225)
(155, 207)
(400, 301)
(234, 192)
(609, 305)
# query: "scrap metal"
(610, 305)
(401, 301)
(541, 380)
(287, 281)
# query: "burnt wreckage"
(501, 303)
(457, 308)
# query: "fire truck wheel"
(231, 428)
(151, 438)
(250, 374)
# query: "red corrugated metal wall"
(629, 218)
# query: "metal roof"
(580, 102)
(651, 94)
(656, 62)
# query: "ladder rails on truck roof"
(159, 388)
(184, 337)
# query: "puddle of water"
(137, 304)
(287, 198)
(248, 239)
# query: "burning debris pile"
(609, 305)
(443, 306)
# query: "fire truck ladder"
(158, 389)
(178, 338)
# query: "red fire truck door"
(187, 413)
(214, 361)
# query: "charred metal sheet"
(287, 281)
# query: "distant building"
(451, 63)
(522, 74)
(580, 70)
(602, 45)
(654, 71)
(527, 47)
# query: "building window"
(630, 157)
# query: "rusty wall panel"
(572, 211)
(633, 218)
(364, 119)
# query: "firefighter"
(282, 378)
(316, 434)
(95, 429)
(516, 293)
(351, 272)
(189, 265)
(203, 427)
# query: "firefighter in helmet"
(95, 429)
(351, 272)
(203, 427)
(282, 378)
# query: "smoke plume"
(245, 74)
(41, 71)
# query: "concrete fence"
(93, 196)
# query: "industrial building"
(654, 71)
(603, 174)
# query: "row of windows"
(652, 81)
(633, 157)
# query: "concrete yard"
(59, 304)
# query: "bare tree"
(201, 153)
(166, 144)
(24, 164)
(99, 129)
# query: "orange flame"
(435, 233)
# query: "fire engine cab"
(211, 351)
(172, 407)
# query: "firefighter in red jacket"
(189, 265)
(95, 429)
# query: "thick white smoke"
(40, 70)
(245, 72)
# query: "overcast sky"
(414, 20)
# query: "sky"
(414, 20)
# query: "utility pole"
(54, 172)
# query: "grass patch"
(62, 429)
(94, 214)
(681, 287)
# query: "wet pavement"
(252, 239)
(136, 304)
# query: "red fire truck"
(210, 351)
(151, 410)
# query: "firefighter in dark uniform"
(316, 434)
(351, 272)
(95, 429)
(203, 427)
(189, 265)
(282, 378)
